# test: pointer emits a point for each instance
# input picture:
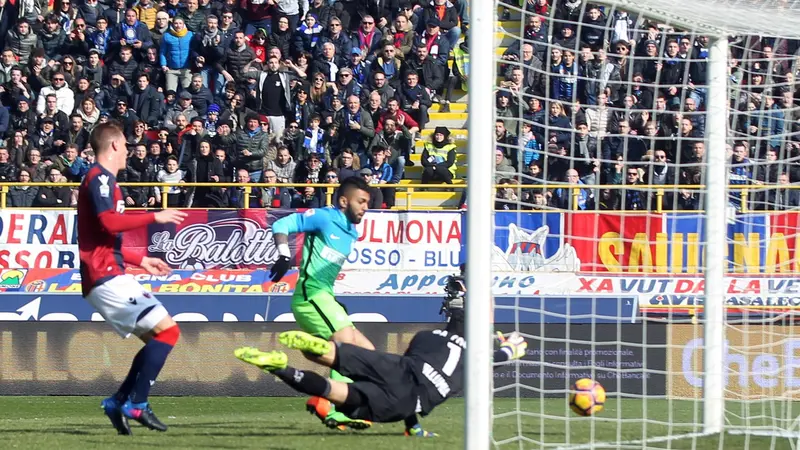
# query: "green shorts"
(320, 314)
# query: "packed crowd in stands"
(286, 91)
(600, 96)
(314, 91)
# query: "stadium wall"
(48, 358)
(605, 272)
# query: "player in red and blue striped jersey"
(118, 297)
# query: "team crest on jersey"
(309, 212)
(105, 190)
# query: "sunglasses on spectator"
(331, 177)
(336, 24)
(345, 75)
(633, 174)
(367, 23)
(58, 79)
(292, 127)
(264, 123)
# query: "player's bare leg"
(147, 364)
(351, 335)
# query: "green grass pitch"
(283, 423)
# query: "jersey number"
(452, 360)
(120, 206)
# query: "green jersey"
(329, 239)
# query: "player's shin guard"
(126, 387)
(154, 355)
(306, 382)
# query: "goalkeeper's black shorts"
(385, 381)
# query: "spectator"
(37, 168)
(139, 169)
(432, 38)
(356, 127)
(53, 196)
(70, 165)
(132, 32)
(160, 28)
(383, 174)
(375, 195)
(237, 56)
(311, 172)
(44, 138)
(175, 52)
(276, 196)
(65, 99)
(502, 166)
(18, 148)
(183, 108)
(439, 158)
(77, 134)
(205, 168)
(174, 177)
(368, 38)
(274, 95)
(414, 99)
(236, 196)
(22, 196)
(146, 12)
(8, 170)
(565, 198)
(21, 40)
(781, 198)
(283, 165)
(251, 146)
(331, 177)
(445, 14)
(505, 197)
(201, 96)
(348, 164)
(398, 140)
(145, 101)
(192, 15)
(307, 197)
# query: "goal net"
(645, 228)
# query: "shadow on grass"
(46, 430)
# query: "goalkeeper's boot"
(266, 361)
(300, 340)
(113, 409)
(142, 413)
(325, 411)
(417, 431)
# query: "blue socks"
(153, 356)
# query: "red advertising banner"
(616, 242)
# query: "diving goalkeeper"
(385, 387)
(330, 234)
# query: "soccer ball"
(587, 397)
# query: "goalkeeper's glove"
(514, 345)
(279, 269)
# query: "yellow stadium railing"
(408, 190)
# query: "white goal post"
(720, 20)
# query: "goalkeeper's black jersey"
(438, 364)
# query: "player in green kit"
(330, 234)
